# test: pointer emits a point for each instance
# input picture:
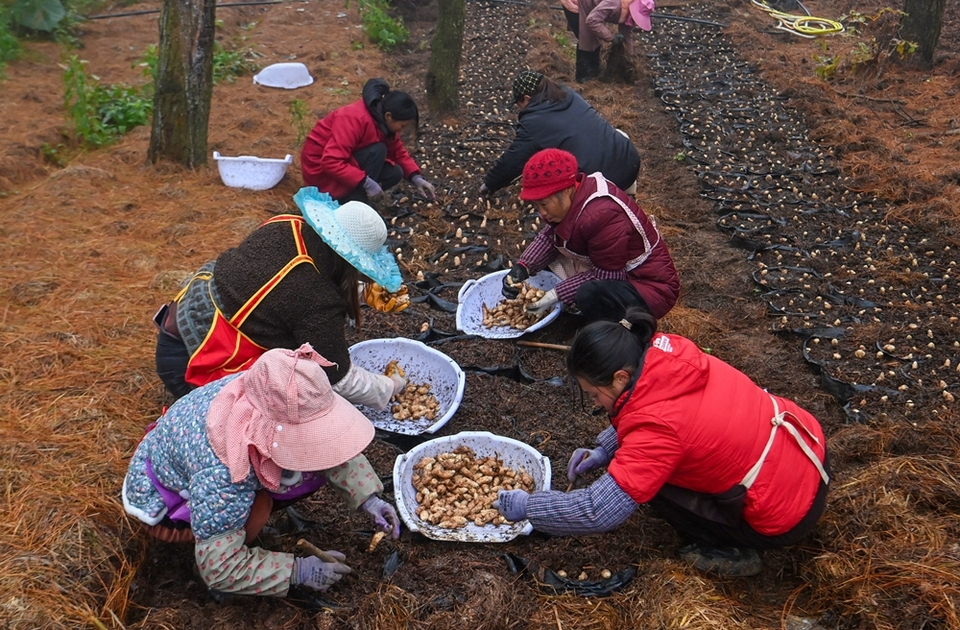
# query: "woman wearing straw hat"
(215, 465)
(732, 468)
(552, 116)
(606, 250)
(292, 281)
(355, 152)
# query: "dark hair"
(548, 90)
(602, 348)
(347, 276)
(401, 106)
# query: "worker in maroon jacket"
(606, 250)
(355, 152)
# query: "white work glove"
(362, 387)
(544, 304)
(398, 383)
(424, 187)
(319, 575)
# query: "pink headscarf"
(282, 414)
(638, 14)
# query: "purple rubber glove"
(372, 188)
(512, 504)
(586, 459)
(319, 575)
(424, 187)
(383, 514)
(484, 190)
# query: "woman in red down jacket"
(355, 152)
(732, 468)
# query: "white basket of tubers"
(434, 384)
(472, 466)
(477, 298)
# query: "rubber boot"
(588, 65)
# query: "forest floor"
(813, 223)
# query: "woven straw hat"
(355, 231)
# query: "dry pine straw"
(77, 387)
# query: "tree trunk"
(184, 84)
(444, 72)
(922, 25)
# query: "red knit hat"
(547, 172)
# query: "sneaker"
(722, 561)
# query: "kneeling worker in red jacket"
(732, 468)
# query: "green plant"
(101, 113)
(9, 45)
(39, 15)
(227, 64)
(52, 154)
(230, 64)
(680, 157)
(826, 65)
(298, 118)
(383, 29)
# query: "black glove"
(618, 39)
(511, 281)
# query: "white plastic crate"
(487, 290)
(249, 171)
(422, 364)
(512, 453)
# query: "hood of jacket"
(673, 367)
(545, 106)
(373, 92)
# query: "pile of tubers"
(456, 488)
(414, 401)
(513, 312)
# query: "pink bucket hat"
(640, 11)
(282, 414)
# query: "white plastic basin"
(288, 76)
(248, 171)
(487, 290)
(422, 364)
(512, 453)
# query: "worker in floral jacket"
(732, 468)
(606, 250)
(222, 458)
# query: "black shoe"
(722, 561)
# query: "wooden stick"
(548, 346)
(307, 548)
(582, 457)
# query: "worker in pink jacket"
(732, 468)
(595, 20)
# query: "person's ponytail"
(602, 348)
